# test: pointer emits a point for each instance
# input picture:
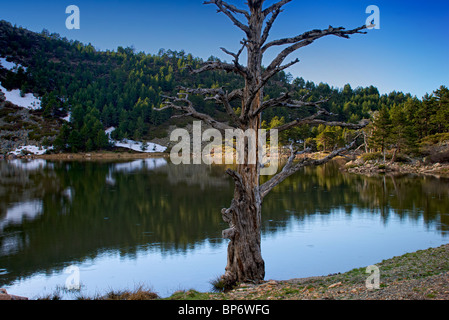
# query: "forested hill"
(121, 88)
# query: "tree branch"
(238, 67)
(183, 104)
(275, 7)
(312, 120)
(219, 96)
(291, 168)
(269, 74)
(315, 34)
(218, 65)
(285, 101)
(303, 40)
(228, 10)
(266, 31)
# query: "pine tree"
(401, 132)
(380, 138)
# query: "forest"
(124, 88)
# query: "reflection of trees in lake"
(83, 214)
(323, 189)
(87, 208)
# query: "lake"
(154, 224)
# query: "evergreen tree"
(380, 138)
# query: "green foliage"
(123, 88)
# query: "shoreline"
(105, 155)
(373, 168)
(356, 166)
(420, 275)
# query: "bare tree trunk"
(244, 262)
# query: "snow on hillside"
(137, 146)
(11, 66)
(134, 145)
(29, 101)
(68, 117)
(149, 164)
(31, 149)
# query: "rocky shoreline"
(371, 168)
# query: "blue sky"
(409, 53)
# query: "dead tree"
(244, 261)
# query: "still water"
(154, 224)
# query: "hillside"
(82, 92)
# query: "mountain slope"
(97, 90)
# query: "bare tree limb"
(312, 120)
(272, 72)
(228, 10)
(219, 96)
(238, 67)
(291, 168)
(315, 34)
(275, 7)
(304, 40)
(236, 55)
(253, 93)
(183, 104)
(269, 25)
(285, 101)
(218, 65)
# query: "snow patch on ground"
(30, 149)
(29, 101)
(68, 117)
(149, 164)
(11, 66)
(135, 145)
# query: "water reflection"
(57, 213)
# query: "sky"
(409, 52)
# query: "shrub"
(379, 156)
(372, 156)
(434, 139)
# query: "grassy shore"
(414, 276)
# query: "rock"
(335, 285)
(349, 163)
(269, 283)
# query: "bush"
(434, 139)
(380, 157)
(372, 156)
